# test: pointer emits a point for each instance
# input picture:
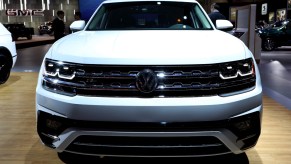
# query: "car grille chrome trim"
(139, 146)
(173, 81)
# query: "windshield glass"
(149, 15)
(279, 24)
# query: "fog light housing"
(243, 125)
(247, 128)
(52, 124)
(49, 127)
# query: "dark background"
(88, 7)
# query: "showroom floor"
(275, 70)
(19, 142)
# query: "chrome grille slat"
(147, 146)
(106, 76)
(166, 74)
(128, 86)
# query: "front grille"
(176, 81)
(147, 146)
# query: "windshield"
(279, 24)
(149, 15)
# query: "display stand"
(245, 29)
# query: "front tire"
(29, 37)
(14, 37)
(268, 44)
(4, 68)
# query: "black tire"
(14, 37)
(5, 68)
(268, 44)
(29, 37)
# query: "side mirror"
(224, 25)
(77, 25)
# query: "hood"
(3, 30)
(148, 47)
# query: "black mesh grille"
(176, 81)
(148, 146)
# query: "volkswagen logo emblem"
(146, 81)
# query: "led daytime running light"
(57, 72)
(236, 75)
(239, 72)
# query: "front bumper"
(159, 127)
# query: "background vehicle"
(278, 34)
(8, 54)
(19, 30)
(45, 28)
(149, 79)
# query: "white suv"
(149, 79)
(8, 54)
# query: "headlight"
(235, 69)
(59, 69)
(57, 77)
(237, 77)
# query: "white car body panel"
(8, 55)
(60, 98)
(6, 41)
(169, 47)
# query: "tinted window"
(288, 25)
(279, 24)
(149, 15)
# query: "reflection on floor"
(30, 59)
(275, 69)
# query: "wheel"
(51, 33)
(14, 37)
(29, 37)
(269, 44)
(4, 68)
